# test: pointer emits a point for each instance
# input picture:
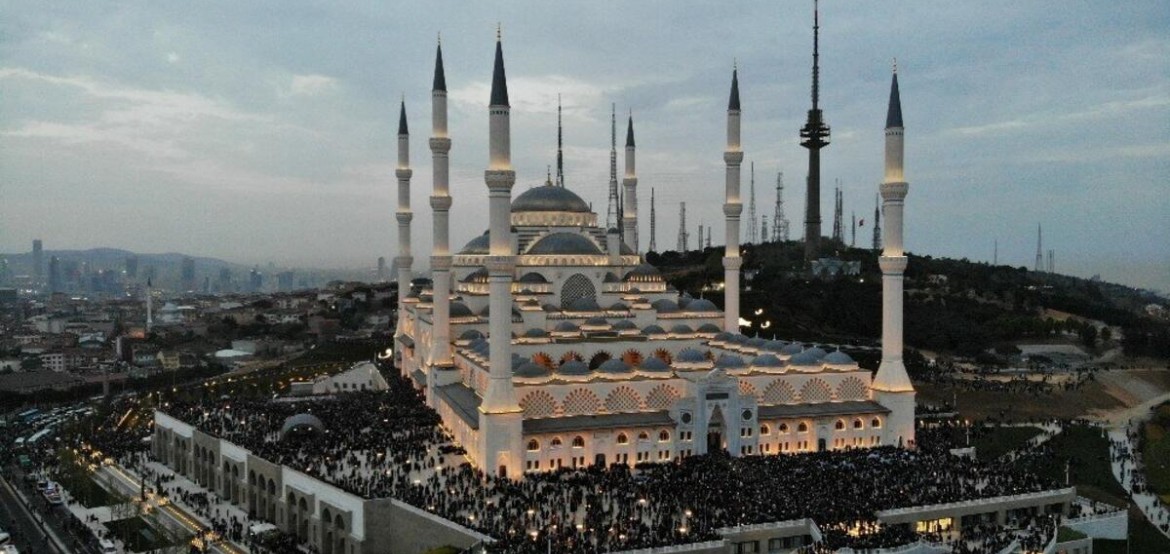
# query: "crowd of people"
(390, 444)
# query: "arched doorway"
(715, 431)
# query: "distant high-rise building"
(38, 255)
(224, 283)
(682, 227)
(286, 280)
(55, 282)
(255, 280)
(187, 274)
(381, 268)
(132, 267)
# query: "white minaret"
(891, 386)
(149, 306)
(500, 414)
(403, 214)
(440, 205)
(732, 208)
(630, 182)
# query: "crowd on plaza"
(1122, 454)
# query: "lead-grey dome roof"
(701, 305)
(573, 367)
(470, 334)
(806, 358)
(838, 357)
(624, 325)
(566, 327)
(301, 421)
(459, 309)
(653, 329)
(729, 361)
(664, 306)
(614, 366)
(643, 273)
(767, 360)
(530, 370)
(792, 348)
(532, 277)
(564, 243)
(549, 199)
(478, 245)
(653, 364)
(690, 355)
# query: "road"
(20, 523)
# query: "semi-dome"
(470, 334)
(535, 333)
(529, 370)
(838, 358)
(614, 366)
(721, 336)
(480, 275)
(560, 244)
(690, 355)
(610, 277)
(775, 345)
(596, 322)
(681, 329)
(653, 330)
(739, 338)
(729, 361)
(654, 364)
(566, 327)
(573, 367)
(643, 273)
(549, 199)
(532, 278)
(618, 307)
(757, 342)
(818, 352)
(478, 245)
(792, 349)
(767, 360)
(701, 305)
(459, 309)
(624, 325)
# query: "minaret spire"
(732, 208)
(403, 214)
(630, 191)
(560, 146)
(653, 224)
(612, 214)
(440, 143)
(814, 135)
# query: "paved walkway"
(1124, 462)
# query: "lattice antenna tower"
(1039, 248)
(779, 221)
(611, 213)
(837, 231)
(764, 236)
(753, 236)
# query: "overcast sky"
(265, 131)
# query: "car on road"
(107, 547)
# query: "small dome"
(792, 349)
(723, 336)
(681, 329)
(480, 275)
(690, 355)
(757, 342)
(478, 245)
(767, 360)
(475, 342)
(586, 304)
(549, 199)
(426, 297)
(729, 361)
(533, 277)
(470, 334)
(614, 366)
(838, 358)
(775, 345)
(805, 359)
(610, 277)
(563, 244)
(618, 307)
(664, 306)
(654, 364)
(624, 325)
(653, 330)
(530, 370)
(531, 302)
(483, 348)
(685, 300)
(550, 308)
(739, 338)
(643, 273)
(596, 322)
(535, 333)
(566, 327)
(818, 352)
(412, 294)
(701, 305)
(708, 328)
(459, 309)
(573, 367)
(518, 362)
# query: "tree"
(1089, 335)
(1106, 334)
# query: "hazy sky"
(265, 131)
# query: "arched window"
(555, 443)
(840, 424)
(876, 423)
(643, 436)
(857, 424)
(623, 439)
(664, 436)
(764, 429)
(783, 428)
(578, 442)
(533, 445)
(802, 428)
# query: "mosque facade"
(548, 342)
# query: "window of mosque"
(664, 436)
(686, 417)
(555, 443)
(578, 442)
(802, 428)
(747, 415)
(840, 424)
(765, 430)
(857, 424)
(643, 436)
(533, 445)
(783, 428)
(876, 423)
(623, 439)
(940, 525)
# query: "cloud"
(311, 85)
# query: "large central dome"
(549, 198)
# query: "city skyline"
(207, 138)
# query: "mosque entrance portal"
(714, 440)
(599, 460)
(820, 445)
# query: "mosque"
(548, 342)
